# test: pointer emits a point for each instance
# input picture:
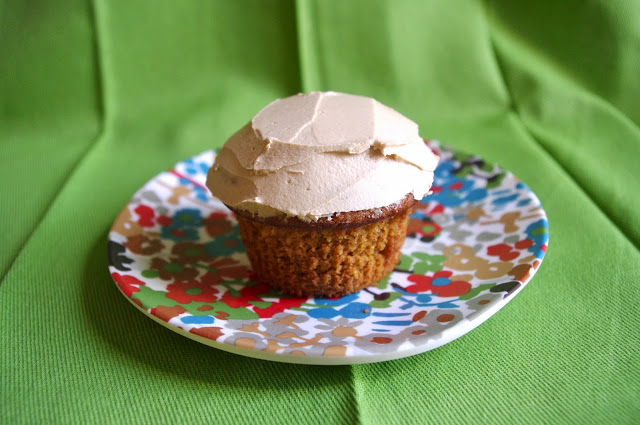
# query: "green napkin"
(97, 97)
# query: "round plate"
(472, 245)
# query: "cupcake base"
(321, 261)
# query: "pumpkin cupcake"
(322, 185)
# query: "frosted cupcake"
(322, 185)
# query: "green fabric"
(97, 97)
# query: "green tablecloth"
(97, 97)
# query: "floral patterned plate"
(175, 253)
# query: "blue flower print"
(186, 217)
(194, 168)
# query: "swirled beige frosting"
(315, 154)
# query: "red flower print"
(248, 295)
(506, 252)
(126, 283)
(502, 251)
(185, 292)
(164, 220)
(439, 284)
(524, 244)
(217, 224)
(423, 227)
(145, 214)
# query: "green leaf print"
(383, 302)
(261, 304)
(405, 264)
(382, 284)
(239, 313)
(152, 299)
(475, 291)
(421, 263)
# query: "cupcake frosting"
(315, 154)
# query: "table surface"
(97, 97)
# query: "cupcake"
(322, 185)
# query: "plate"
(472, 245)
